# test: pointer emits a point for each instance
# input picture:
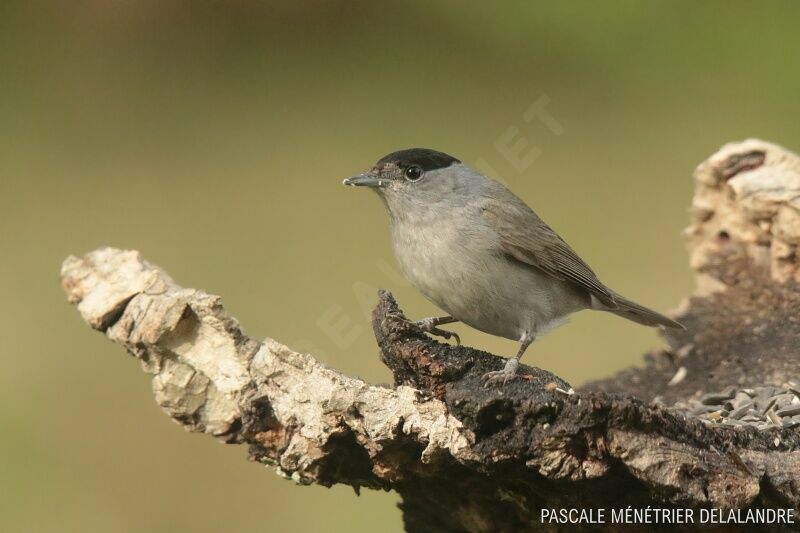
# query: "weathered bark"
(468, 458)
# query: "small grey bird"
(476, 250)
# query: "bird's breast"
(459, 269)
(453, 267)
(434, 255)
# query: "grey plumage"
(476, 250)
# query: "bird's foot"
(428, 325)
(501, 377)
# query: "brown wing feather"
(528, 239)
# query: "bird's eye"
(413, 173)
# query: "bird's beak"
(365, 180)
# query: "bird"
(478, 252)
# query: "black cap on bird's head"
(425, 158)
(410, 164)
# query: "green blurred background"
(213, 137)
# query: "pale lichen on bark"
(207, 372)
(747, 195)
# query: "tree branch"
(465, 458)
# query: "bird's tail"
(637, 313)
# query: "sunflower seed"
(716, 398)
(789, 410)
(739, 412)
(774, 418)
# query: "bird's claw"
(502, 377)
(429, 326)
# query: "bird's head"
(412, 178)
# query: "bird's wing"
(527, 238)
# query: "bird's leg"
(510, 370)
(428, 325)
